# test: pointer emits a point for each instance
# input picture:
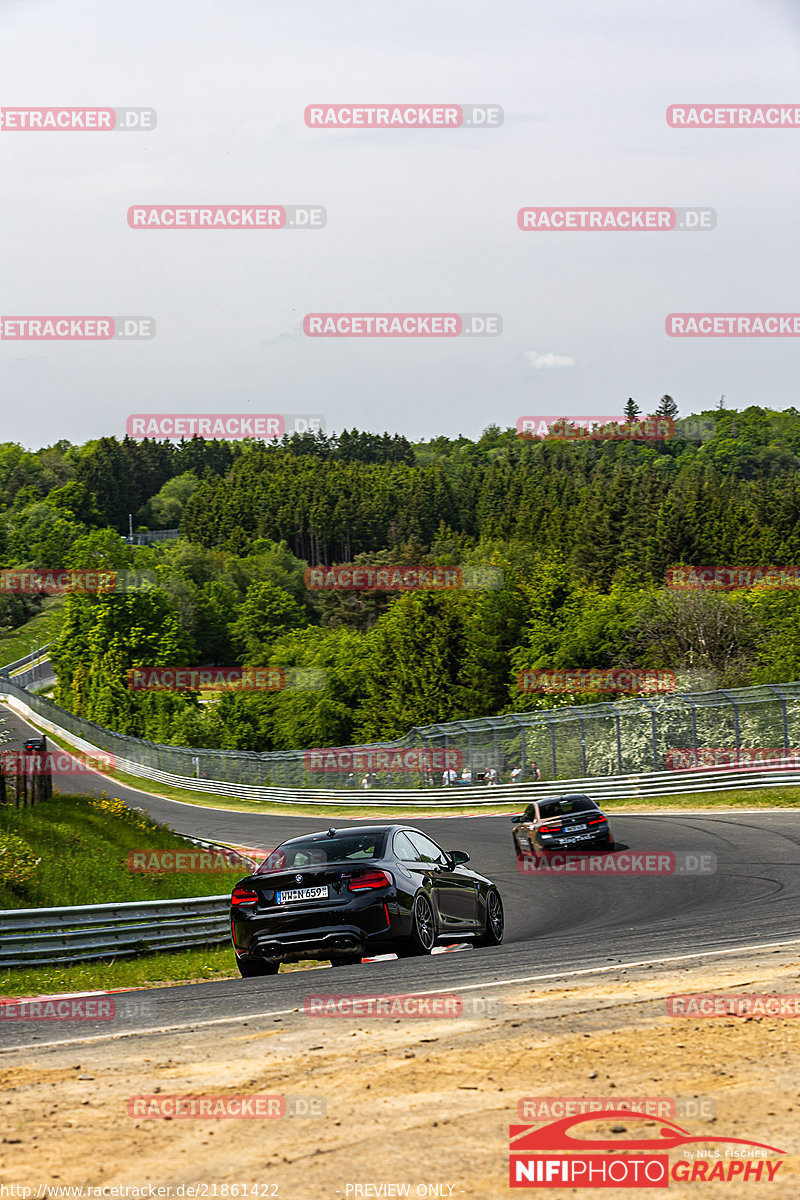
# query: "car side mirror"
(516, 820)
(458, 857)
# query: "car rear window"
(318, 851)
(557, 808)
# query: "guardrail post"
(781, 696)
(619, 736)
(583, 745)
(523, 760)
(551, 723)
(654, 725)
(736, 733)
(693, 707)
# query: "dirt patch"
(420, 1103)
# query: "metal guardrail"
(148, 536)
(602, 740)
(81, 933)
(601, 787)
(36, 677)
(761, 716)
(9, 668)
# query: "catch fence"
(724, 728)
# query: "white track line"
(467, 987)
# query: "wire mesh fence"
(677, 731)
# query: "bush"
(17, 860)
(120, 811)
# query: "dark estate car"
(561, 823)
(372, 889)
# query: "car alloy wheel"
(495, 921)
(423, 929)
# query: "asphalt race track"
(554, 925)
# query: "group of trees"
(582, 532)
(608, 505)
(409, 659)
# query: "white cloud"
(548, 360)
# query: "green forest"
(581, 534)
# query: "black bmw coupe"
(346, 893)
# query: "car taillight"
(243, 895)
(369, 881)
(597, 821)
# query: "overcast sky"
(418, 221)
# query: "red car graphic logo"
(555, 1136)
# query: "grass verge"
(44, 627)
(83, 845)
(147, 970)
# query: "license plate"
(309, 893)
(576, 828)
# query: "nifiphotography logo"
(551, 1157)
